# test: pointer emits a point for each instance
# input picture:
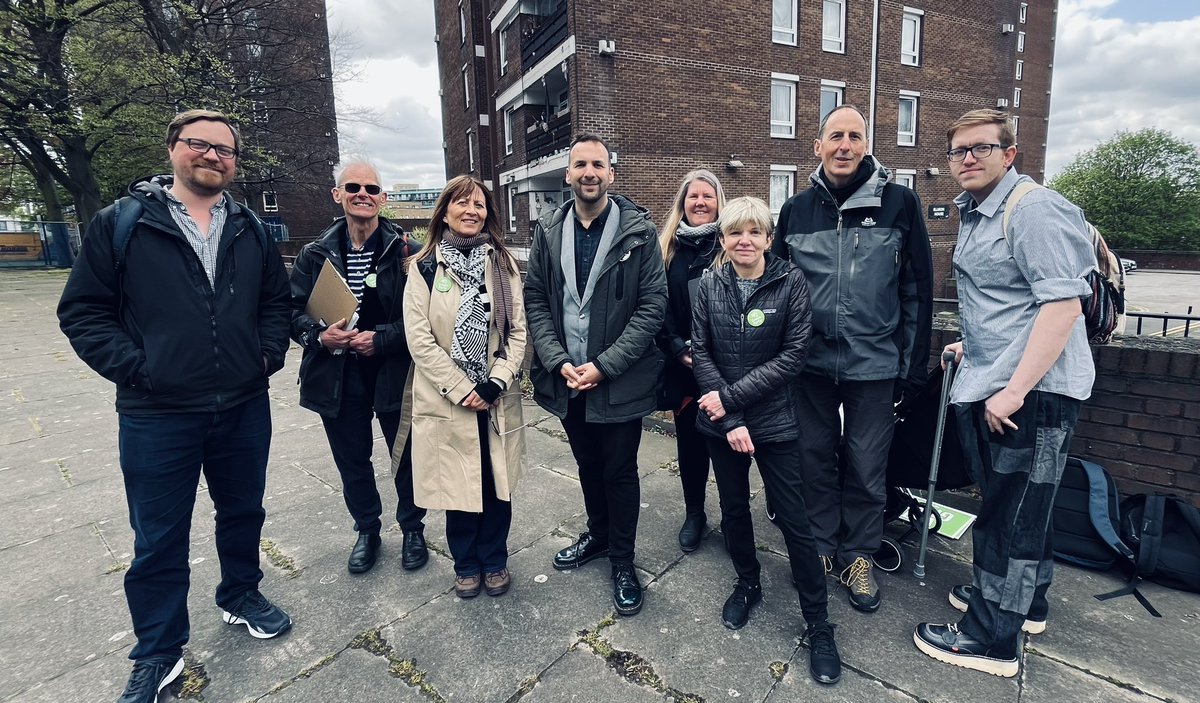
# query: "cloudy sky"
(1119, 64)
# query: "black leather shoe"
(736, 612)
(627, 590)
(692, 532)
(947, 643)
(413, 552)
(824, 662)
(364, 554)
(580, 553)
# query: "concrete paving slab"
(61, 510)
(352, 675)
(1050, 681)
(101, 678)
(564, 682)
(855, 687)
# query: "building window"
(471, 151)
(910, 37)
(833, 94)
(1023, 13)
(783, 107)
(906, 127)
(1020, 68)
(512, 208)
(906, 177)
(466, 87)
(1020, 42)
(783, 21)
(1016, 121)
(270, 201)
(462, 22)
(502, 41)
(833, 26)
(783, 184)
(1016, 97)
(508, 131)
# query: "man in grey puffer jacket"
(862, 245)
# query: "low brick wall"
(1142, 422)
(1167, 260)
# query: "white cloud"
(1114, 74)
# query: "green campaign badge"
(370, 280)
(443, 284)
(756, 317)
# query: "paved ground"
(1163, 292)
(397, 636)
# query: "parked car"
(1126, 263)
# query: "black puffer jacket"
(753, 366)
(320, 370)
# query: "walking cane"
(947, 379)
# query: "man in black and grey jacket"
(862, 244)
(595, 296)
(352, 373)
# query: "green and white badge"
(369, 281)
(444, 284)
(756, 317)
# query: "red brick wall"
(1169, 260)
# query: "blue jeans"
(162, 457)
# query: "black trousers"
(693, 458)
(846, 507)
(779, 466)
(479, 541)
(351, 439)
(607, 457)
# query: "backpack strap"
(1102, 521)
(125, 221)
(428, 267)
(1010, 203)
(1147, 557)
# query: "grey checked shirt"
(206, 247)
(1002, 283)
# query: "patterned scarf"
(469, 348)
(703, 237)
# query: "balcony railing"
(550, 33)
(556, 136)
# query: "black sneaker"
(960, 598)
(824, 662)
(261, 617)
(948, 644)
(150, 676)
(736, 612)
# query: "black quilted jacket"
(753, 366)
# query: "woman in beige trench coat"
(464, 318)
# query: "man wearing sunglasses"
(354, 371)
(188, 316)
(1021, 263)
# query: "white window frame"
(270, 201)
(906, 177)
(835, 44)
(1020, 68)
(512, 208)
(508, 131)
(784, 129)
(907, 138)
(1016, 97)
(470, 151)
(1023, 13)
(785, 34)
(788, 172)
(1020, 42)
(912, 18)
(462, 22)
(466, 87)
(835, 88)
(1016, 122)
(502, 49)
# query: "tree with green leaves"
(1141, 190)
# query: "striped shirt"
(205, 246)
(358, 262)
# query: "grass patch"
(278, 559)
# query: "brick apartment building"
(286, 69)
(735, 87)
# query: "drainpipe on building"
(874, 74)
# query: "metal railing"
(1185, 322)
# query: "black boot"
(692, 532)
(627, 590)
(364, 554)
(413, 552)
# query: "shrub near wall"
(1142, 422)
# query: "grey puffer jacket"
(627, 310)
(753, 366)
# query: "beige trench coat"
(445, 450)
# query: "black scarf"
(866, 169)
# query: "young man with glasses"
(1025, 368)
(188, 328)
(862, 244)
(355, 370)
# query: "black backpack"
(1087, 517)
(128, 210)
(1165, 533)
